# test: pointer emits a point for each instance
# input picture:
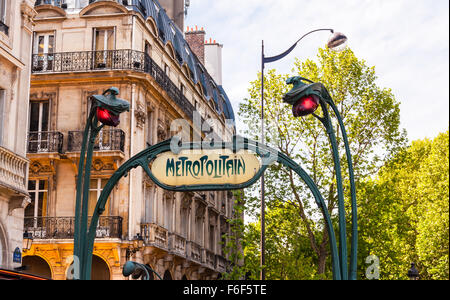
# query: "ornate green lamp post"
(105, 109)
(337, 42)
(305, 99)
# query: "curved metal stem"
(326, 121)
(354, 242)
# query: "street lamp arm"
(285, 53)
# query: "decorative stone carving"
(140, 115)
(18, 202)
(186, 200)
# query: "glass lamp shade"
(104, 116)
(337, 42)
(27, 240)
(305, 106)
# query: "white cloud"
(407, 41)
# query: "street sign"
(195, 167)
(17, 255)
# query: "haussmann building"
(82, 48)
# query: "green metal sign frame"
(267, 155)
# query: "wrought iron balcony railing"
(108, 60)
(45, 142)
(63, 227)
(59, 3)
(63, 3)
(107, 140)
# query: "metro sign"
(195, 167)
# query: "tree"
(371, 116)
(405, 212)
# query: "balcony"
(210, 259)
(45, 142)
(194, 252)
(155, 235)
(177, 244)
(221, 264)
(63, 227)
(110, 60)
(13, 171)
(107, 140)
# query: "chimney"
(175, 9)
(196, 40)
(213, 60)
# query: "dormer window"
(3, 27)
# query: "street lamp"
(27, 241)
(137, 270)
(105, 109)
(305, 99)
(136, 244)
(336, 41)
(413, 274)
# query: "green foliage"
(404, 212)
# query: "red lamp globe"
(105, 117)
(305, 106)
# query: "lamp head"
(337, 41)
(304, 98)
(109, 107)
(129, 268)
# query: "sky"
(406, 40)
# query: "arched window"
(167, 275)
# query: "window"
(212, 237)
(184, 221)
(168, 212)
(182, 89)
(38, 140)
(199, 230)
(44, 44)
(103, 41)
(2, 10)
(149, 203)
(2, 114)
(166, 70)
(95, 189)
(38, 190)
(149, 132)
(148, 49)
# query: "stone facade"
(80, 52)
(15, 42)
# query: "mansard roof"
(169, 32)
